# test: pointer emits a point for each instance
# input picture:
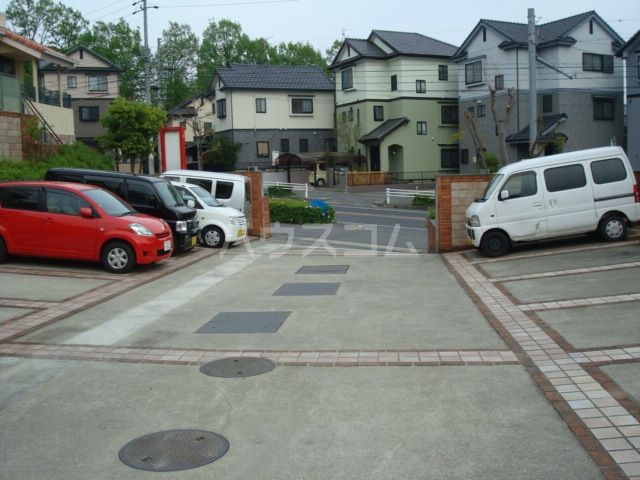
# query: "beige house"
(91, 86)
(196, 116)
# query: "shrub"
(422, 201)
(298, 212)
(74, 155)
(277, 191)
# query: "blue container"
(321, 204)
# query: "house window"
(593, 62)
(378, 113)
(261, 105)
(302, 105)
(330, 145)
(472, 111)
(590, 27)
(284, 144)
(394, 83)
(449, 114)
(358, 116)
(480, 112)
(72, 81)
(421, 128)
(350, 114)
(464, 156)
(262, 149)
(207, 127)
(304, 145)
(344, 116)
(98, 83)
(499, 82)
(449, 158)
(473, 73)
(484, 34)
(443, 72)
(421, 86)
(547, 103)
(221, 108)
(89, 114)
(347, 79)
(603, 108)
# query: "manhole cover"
(174, 450)
(236, 367)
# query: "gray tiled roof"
(365, 48)
(548, 122)
(517, 32)
(275, 77)
(383, 130)
(415, 43)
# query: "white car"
(218, 224)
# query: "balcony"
(11, 91)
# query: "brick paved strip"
(559, 273)
(281, 357)
(579, 302)
(13, 303)
(571, 389)
(609, 355)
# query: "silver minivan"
(579, 192)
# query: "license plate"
(240, 232)
(194, 241)
(167, 245)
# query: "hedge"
(298, 212)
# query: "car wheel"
(613, 228)
(494, 244)
(320, 182)
(212, 237)
(3, 250)
(118, 257)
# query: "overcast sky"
(320, 22)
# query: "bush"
(76, 155)
(276, 191)
(298, 212)
(422, 201)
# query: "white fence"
(301, 187)
(397, 192)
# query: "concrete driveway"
(389, 366)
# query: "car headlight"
(181, 226)
(234, 220)
(474, 221)
(140, 230)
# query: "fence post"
(306, 191)
(387, 192)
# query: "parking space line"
(559, 273)
(579, 302)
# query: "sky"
(320, 22)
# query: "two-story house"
(273, 109)
(196, 116)
(579, 86)
(630, 51)
(92, 85)
(396, 102)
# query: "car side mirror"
(191, 204)
(86, 212)
(504, 194)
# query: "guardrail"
(398, 192)
(304, 187)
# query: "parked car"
(80, 222)
(570, 193)
(230, 189)
(150, 195)
(218, 224)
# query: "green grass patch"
(298, 212)
(278, 191)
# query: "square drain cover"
(245, 322)
(307, 289)
(323, 269)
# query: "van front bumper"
(474, 235)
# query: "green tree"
(132, 128)
(122, 45)
(222, 155)
(298, 53)
(221, 45)
(332, 51)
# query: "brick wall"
(260, 219)
(454, 193)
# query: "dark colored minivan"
(150, 195)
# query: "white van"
(218, 224)
(229, 189)
(570, 193)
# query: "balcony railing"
(49, 97)
(10, 94)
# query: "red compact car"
(79, 222)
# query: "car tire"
(320, 182)
(494, 244)
(212, 237)
(613, 228)
(118, 257)
(3, 250)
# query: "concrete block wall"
(454, 193)
(11, 135)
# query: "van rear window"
(608, 171)
(564, 178)
(223, 189)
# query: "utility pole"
(147, 51)
(533, 88)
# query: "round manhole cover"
(174, 450)
(235, 367)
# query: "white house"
(631, 53)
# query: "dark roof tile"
(275, 77)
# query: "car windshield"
(109, 202)
(169, 194)
(205, 196)
(488, 191)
